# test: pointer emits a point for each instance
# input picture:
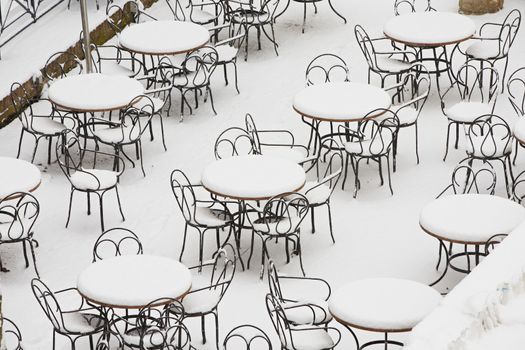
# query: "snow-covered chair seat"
(226, 53)
(116, 135)
(317, 195)
(368, 147)
(110, 67)
(203, 301)
(94, 179)
(467, 112)
(383, 304)
(484, 49)
(309, 338)
(81, 322)
(210, 217)
(202, 16)
(44, 125)
(157, 102)
(307, 311)
(392, 65)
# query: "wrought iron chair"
(203, 300)
(314, 3)
(412, 94)
(383, 63)
(93, 180)
(477, 97)
(494, 42)
(18, 214)
(119, 16)
(228, 48)
(280, 218)
(300, 309)
(11, 336)
(73, 322)
(248, 336)
(254, 14)
(516, 92)
(234, 141)
(116, 242)
(374, 140)
(202, 12)
(489, 138)
(409, 6)
(199, 213)
(38, 118)
(198, 67)
(62, 64)
(128, 131)
(157, 325)
(300, 337)
(319, 191)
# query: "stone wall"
(479, 7)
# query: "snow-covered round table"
(340, 101)
(133, 281)
(253, 177)
(519, 130)
(429, 29)
(469, 219)
(94, 92)
(17, 176)
(384, 305)
(164, 37)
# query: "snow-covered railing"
(18, 15)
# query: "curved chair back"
(509, 30)
(223, 271)
(516, 91)
(366, 46)
(247, 337)
(468, 179)
(119, 16)
(162, 80)
(18, 213)
(518, 188)
(477, 84)
(135, 119)
(184, 194)
(326, 68)
(488, 137)
(283, 214)
(234, 141)
(49, 304)
(402, 7)
(62, 64)
(279, 321)
(12, 338)
(202, 63)
(69, 153)
(116, 242)
(332, 155)
(21, 100)
(416, 88)
(273, 281)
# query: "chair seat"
(210, 217)
(307, 315)
(111, 67)
(78, 322)
(486, 146)
(202, 17)
(467, 112)
(226, 53)
(185, 80)
(294, 154)
(483, 49)
(153, 337)
(519, 130)
(311, 339)
(370, 147)
(117, 135)
(45, 125)
(85, 180)
(406, 115)
(201, 302)
(157, 103)
(392, 65)
(277, 227)
(10, 232)
(318, 195)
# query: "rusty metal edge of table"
(8, 198)
(427, 45)
(340, 120)
(370, 329)
(165, 53)
(251, 198)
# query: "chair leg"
(235, 73)
(299, 252)
(20, 143)
(203, 327)
(447, 142)
(162, 132)
(25, 253)
(216, 316)
(34, 149)
(183, 241)
(225, 70)
(304, 16)
(119, 205)
(312, 214)
(417, 142)
(251, 250)
(330, 221)
(139, 144)
(101, 204)
(211, 100)
(31, 246)
(389, 175)
(70, 204)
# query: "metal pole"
(85, 30)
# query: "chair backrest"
(331, 154)
(251, 128)
(201, 63)
(489, 136)
(283, 214)
(22, 101)
(247, 337)
(477, 84)
(402, 7)
(509, 30)
(70, 153)
(62, 64)
(12, 338)
(135, 119)
(273, 281)
(119, 16)
(184, 194)
(19, 215)
(518, 188)
(516, 91)
(223, 270)
(469, 179)
(279, 321)
(116, 242)
(366, 45)
(49, 304)
(162, 80)
(234, 141)
(416, 88)
(325, 68)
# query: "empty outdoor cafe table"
(382, 305)
(468, 220)
(430, 30)
(17, 175)
(252, 178)
(339, 102)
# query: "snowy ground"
(377, 234)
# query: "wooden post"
(479, 7)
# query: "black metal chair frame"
(12, 332)
(60, 64)
(253, 333)
(516, 92)
(116, 238)
(177, 9)
(20, 214)
(411, 6)
(69, 165)
(314, 3)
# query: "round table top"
(17, 176)
(253, 177)
(164, 37)
(340, 101)
(519, 130)
(430, 28)
(94, 92)
(470, 218)
(133, 281)
(383, 304)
